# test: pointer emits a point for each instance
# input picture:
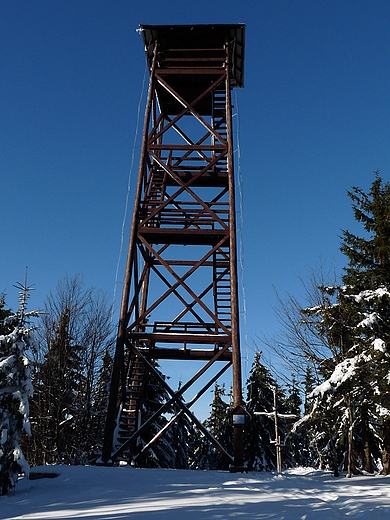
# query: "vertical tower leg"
(236, 356)
(118, 368)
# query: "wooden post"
(277, 437)
(236, 355)
(274, 415)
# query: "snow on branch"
(343, 372)
(370, 321)
(379, 345)
(369, 294)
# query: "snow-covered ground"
(119, 493)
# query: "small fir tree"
(293, 452)
(219, 425)
(203, 452)
(260, 453)
(184, 439)
(309, 449)
(15, 390)
(100, 401)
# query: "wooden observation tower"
(180, 297)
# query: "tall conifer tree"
(367, 280)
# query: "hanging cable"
(241, 224)
(128, 193)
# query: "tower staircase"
(219, 123)
(155, 194)
(130, 409)
(222, 289)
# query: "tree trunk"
(321, 463)
(367, 462)
(386, 448)
(350, 437)
(334, 454)
(351, 468)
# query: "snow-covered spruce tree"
(260, 453)
(309, 454)
(354, 384)
(367, 281)
(100, 403)
(300, 441)
(15, 390)
(202, 452)
(322, 347)
(294, 451)
(338, 400)
(220, 426)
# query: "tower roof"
(199, 45)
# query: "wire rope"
(128, 194)
(241, 225)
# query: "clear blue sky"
(314, 120)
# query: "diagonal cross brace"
(188, 107)
(184, 187)
(180, 282)
(175, 397)
(188, 306)
(176, 417)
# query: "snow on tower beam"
(180, 284)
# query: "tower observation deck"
(180, 296)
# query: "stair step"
(128, 420)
